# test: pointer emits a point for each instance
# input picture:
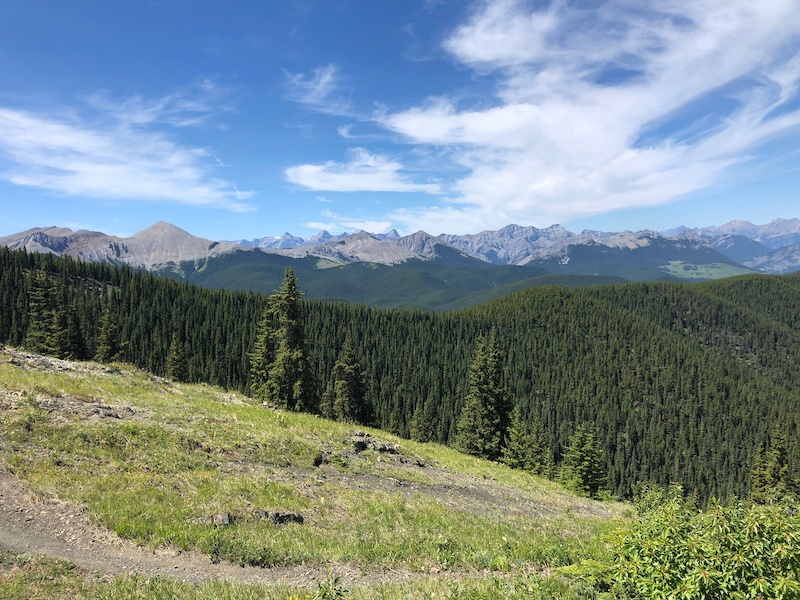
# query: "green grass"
(188, 451)
(26, 576)
(683, 270)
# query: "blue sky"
(247, 119)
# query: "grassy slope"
(186, 451)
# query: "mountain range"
(770, 248)
(444, 267)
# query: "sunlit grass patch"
(156, 472)
(25, 576)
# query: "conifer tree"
(526, 447)
(289, 382)
(770, 478)
(36, 338)
(516, 452)
(107, 343)
(47, 327)
(177, 365)
(583, 470)
(350, 403)
(423, 422)
(262, 356)
(482, 425)
(541, 461)
(326, 403)
(76, 344)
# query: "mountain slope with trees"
(675, 382)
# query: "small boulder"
(362, 441)
(222, 519)
(218, 520)
(279, 517)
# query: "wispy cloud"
(319, 90)
(115, 154)
(364, 172)
(607, 107)
(187, 107)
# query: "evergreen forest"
(668, 382)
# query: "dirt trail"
(60, 530)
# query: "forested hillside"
(679, 382)
(452, 280)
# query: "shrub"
(671, 550)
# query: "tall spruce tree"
(770, 477)
(107, 342)
(326, 403)
(423, 421)
(483, 422)
(262, 356)
(289, 382)
(584, 469)
(47, 327)
(74, 333)
(177, 365)
(527, 446)
(350, 402)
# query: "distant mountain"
(765, 248)
(638, 255)
(641, 256)
(782, 260)
(682, 254)
(358, 247)
(778, 233)
(415, 283)
(738, 247)
(511, 245)
(158, 247)
(287, 240)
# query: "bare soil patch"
(58, 529)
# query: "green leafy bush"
(671, 550)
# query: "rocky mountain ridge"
(770, 248)
(158, 247)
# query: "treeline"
(215, 329)
(677, 383)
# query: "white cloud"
(344, 131)
(318, 90)
(605, 108)
(364, 172)
(321, 225)
(502, 33)
(187, 107)
(114, 156)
